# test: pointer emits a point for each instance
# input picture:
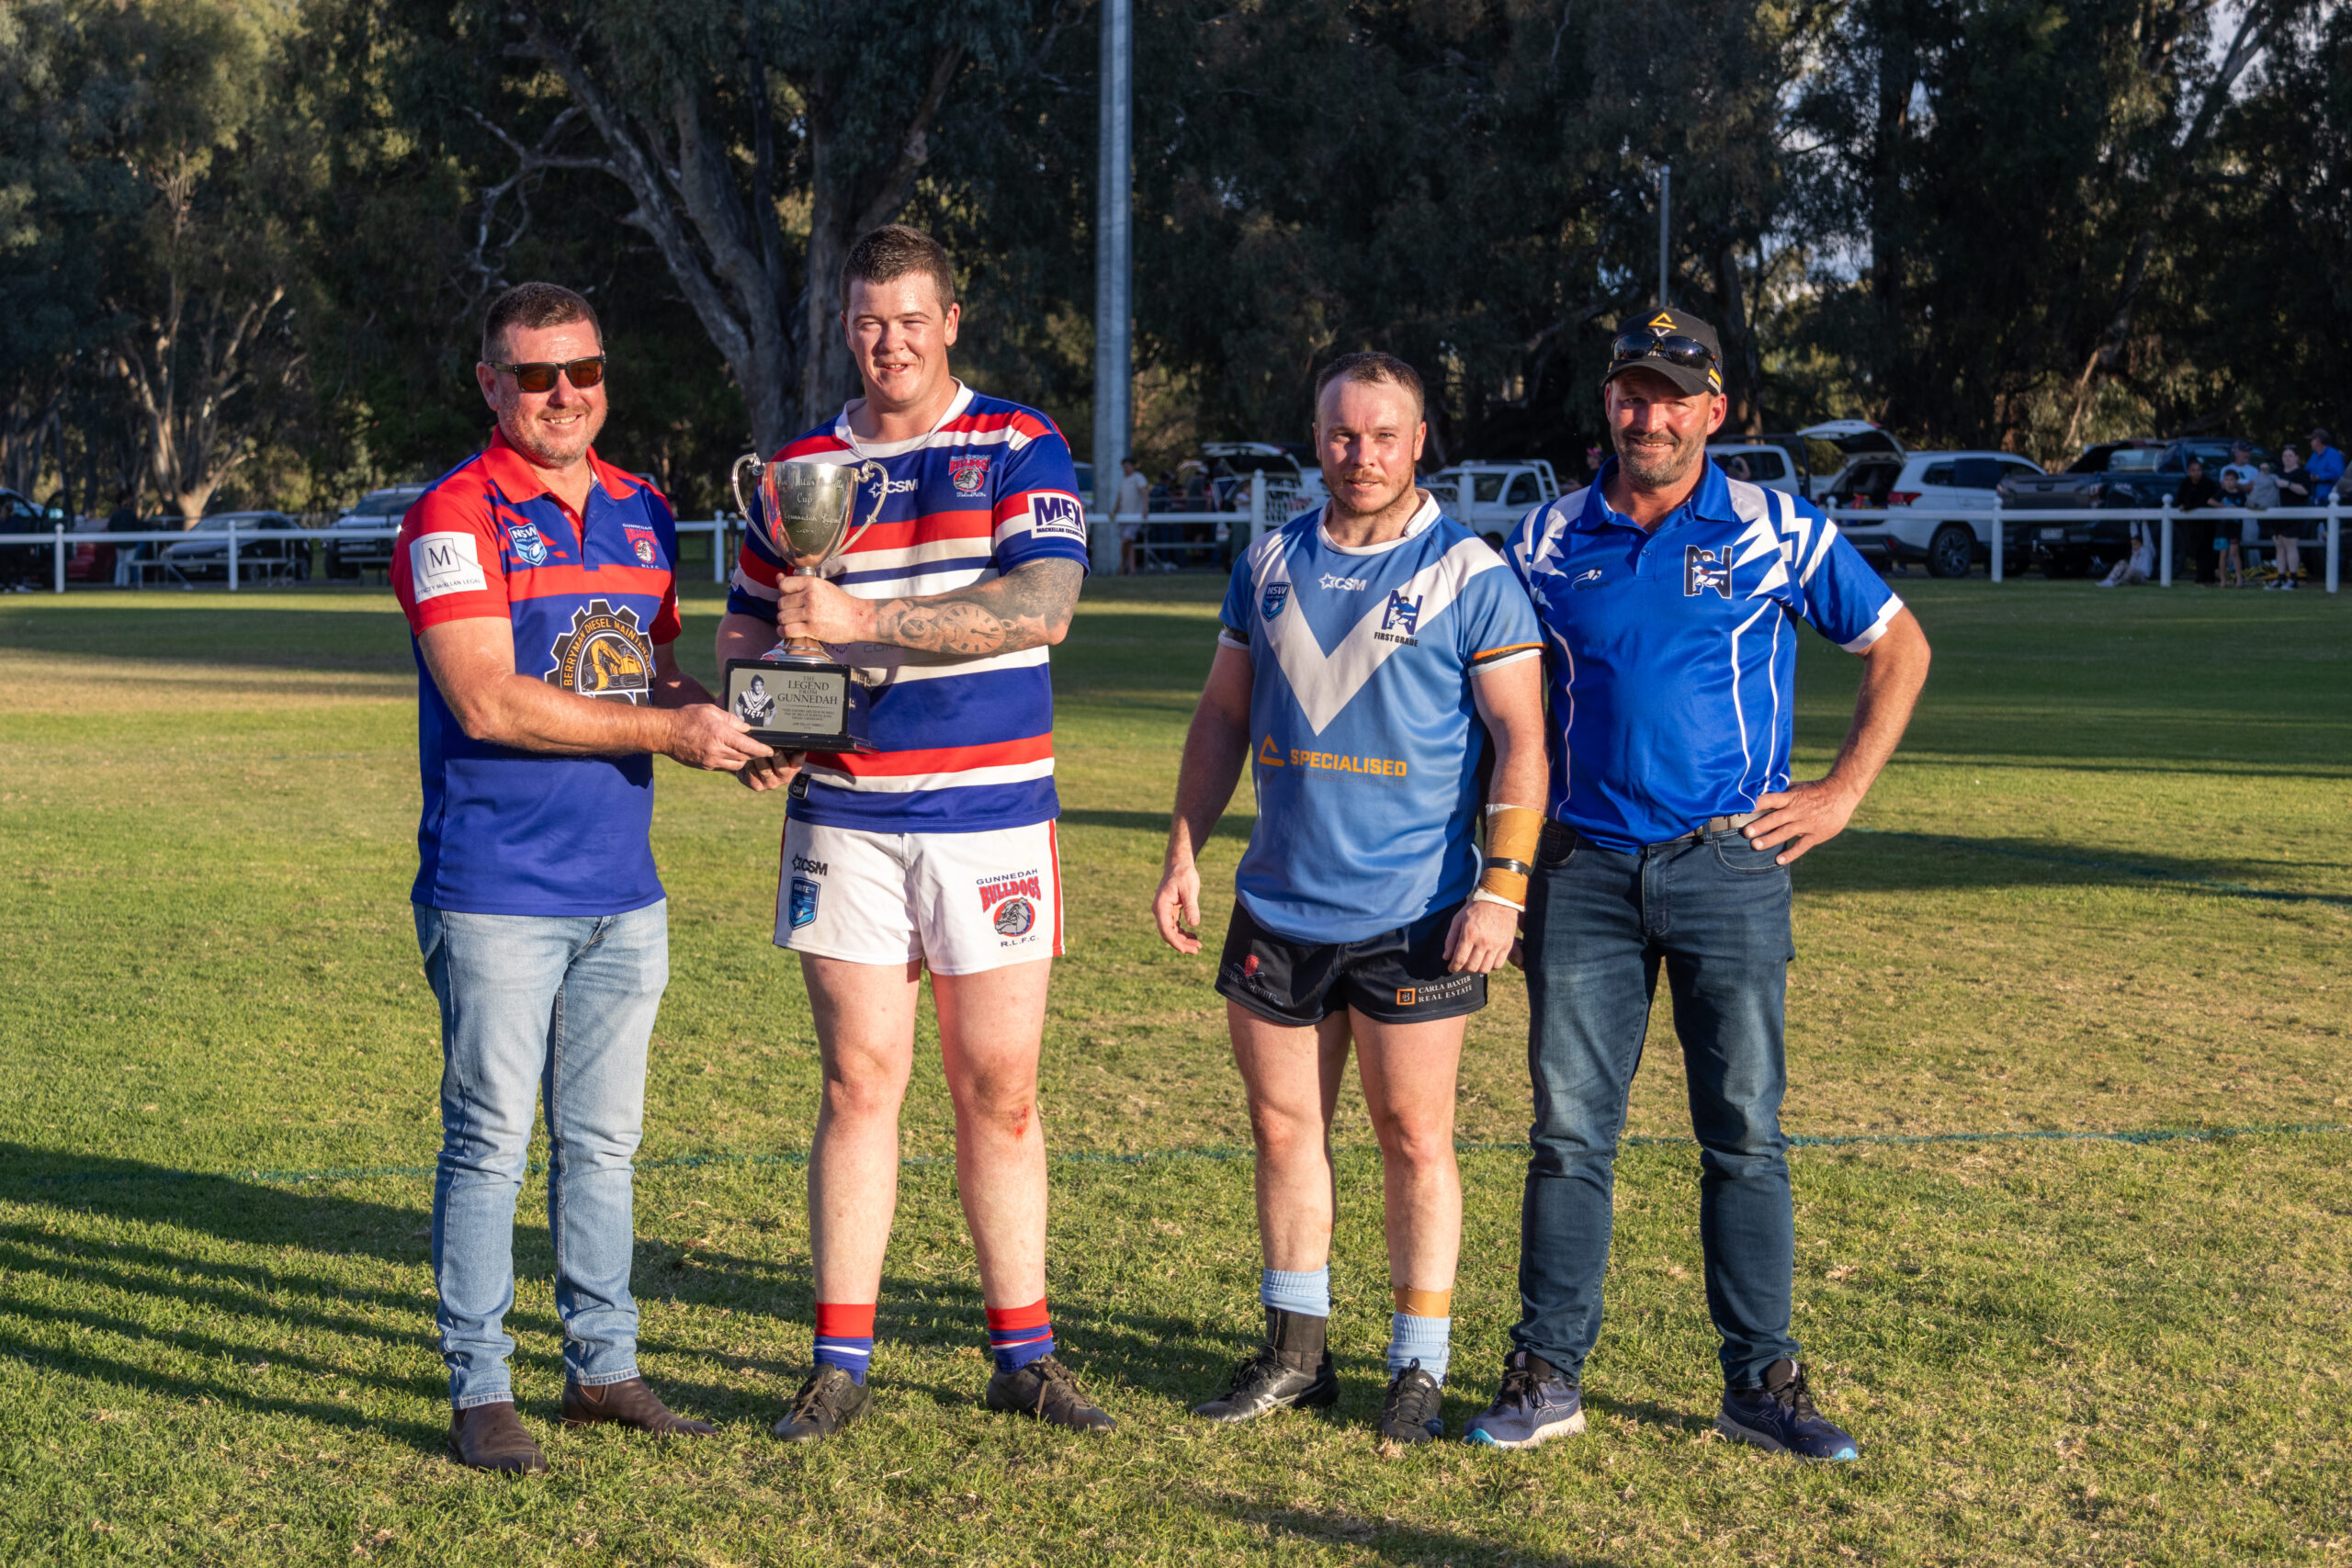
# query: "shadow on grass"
(1389, 1541)
(1878, 860)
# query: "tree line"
(246, 244)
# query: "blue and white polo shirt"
(1671, 651)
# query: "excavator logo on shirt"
(603, 655)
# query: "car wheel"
(1953, 551)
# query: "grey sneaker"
(1265, 1384)
(1534, 1404)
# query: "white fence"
(1265, 510)
(1999, 520)
(229, 547)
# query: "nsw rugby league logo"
(1277, 595)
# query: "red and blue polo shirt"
(510, 832)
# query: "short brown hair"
(1371, 368)
(890, 252)
(531, 306)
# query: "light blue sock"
(1429, 1340)
(1310, 1295)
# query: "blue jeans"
(1714, 913)
(535, 1006)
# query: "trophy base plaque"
(797, 703)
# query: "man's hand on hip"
(1482, 936)
(704, 735)
(1802, 816)
(811, 606)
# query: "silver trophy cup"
(796, 696)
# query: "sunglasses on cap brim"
(539, 376)
(1686, 353)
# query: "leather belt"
(1717, 825)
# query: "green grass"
(2052, 1351)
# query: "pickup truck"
(2132, 474)
(1490, 498)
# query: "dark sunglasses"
(541, 377)
(1673, 347)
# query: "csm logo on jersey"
(1056, 516)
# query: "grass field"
(2105, 888)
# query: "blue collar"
(1711, 501)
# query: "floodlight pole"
(1665, 204)
(1113, 271)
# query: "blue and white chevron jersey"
(1671, 653)
(1366, 744)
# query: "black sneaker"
(1781, 1417)
(1048, 1390)
(828, 1401)
(1413, 1413)
(1265, 1384)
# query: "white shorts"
(957, 902)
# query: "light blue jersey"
(1366, 745)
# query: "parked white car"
(1490, 498)
(1942, 501)
(1815, 463)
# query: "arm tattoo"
(1027, 607)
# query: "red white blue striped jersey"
(963, 745)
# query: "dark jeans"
(1600, 924)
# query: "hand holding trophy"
(795, 697)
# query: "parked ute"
(1762, 461)
(258, 555)
(377, 509)
(2113, 474)
(1490, 498)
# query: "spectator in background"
(2325, 467)
(2228, 532)
(2199, 493)
(124, 519)
(2138, 560)
(2286, 532)
(1128, 510)
(2261, 496)
(2239, 466)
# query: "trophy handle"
(735, 481)
(868, 470)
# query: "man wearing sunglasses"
(1671, 596)
(538, 582)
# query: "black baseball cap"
(1643, 343)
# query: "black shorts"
(1396, 977)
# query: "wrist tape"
(1512, 833)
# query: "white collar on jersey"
(1423, 516)
(841, 432)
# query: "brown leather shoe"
(630, 1403)
(489, 1436)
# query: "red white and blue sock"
(845, 1337)
(1020, 1335)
